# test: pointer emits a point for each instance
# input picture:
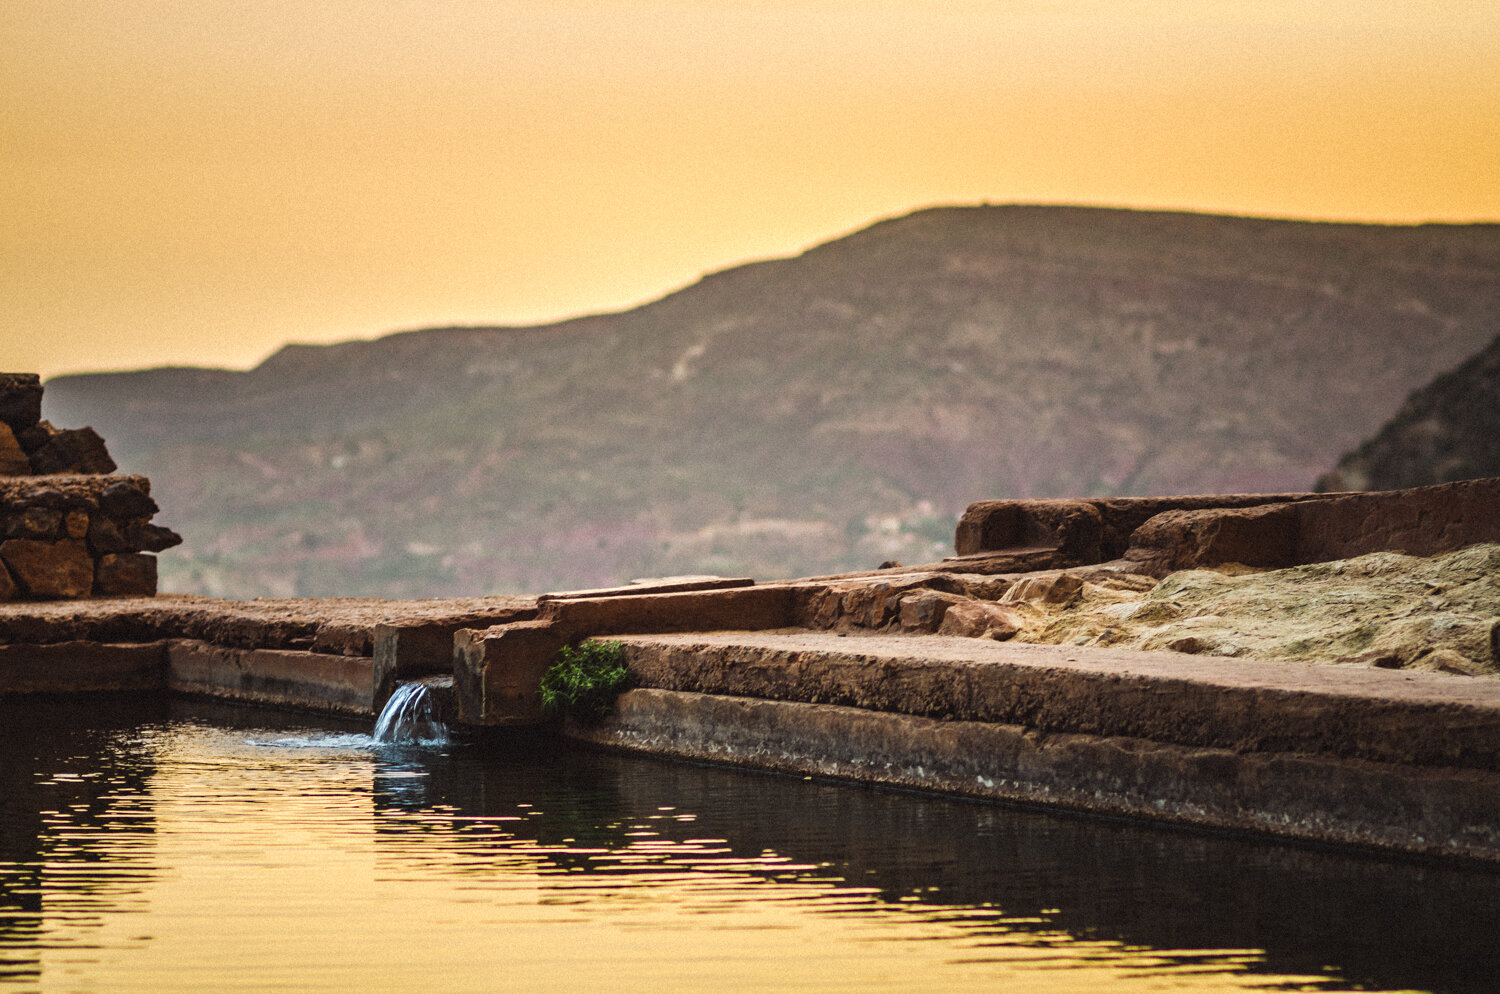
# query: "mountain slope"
(1447, 430)
(801, 415)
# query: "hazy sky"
(199, 181)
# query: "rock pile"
(68, 528)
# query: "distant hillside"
(1447, 430)
(802, 415)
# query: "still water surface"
(153, 846)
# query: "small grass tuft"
(584, 680)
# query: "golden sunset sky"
(200, 181)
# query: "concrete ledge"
(76, 667)
(1244, 705)
(308, 681)
(1444, 812)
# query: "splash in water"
(412, 715)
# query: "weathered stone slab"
(655, 585)
(497, 672)
(1083, 530)
(78, 667)
(1422, 522)
(1245, 705)
(286, 678)
(738, 609)
(410, 648)
(49, 569)
(1453, 813)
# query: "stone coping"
(1243, 705)
(341, 626)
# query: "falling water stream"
(413, 715)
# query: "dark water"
(171, 847)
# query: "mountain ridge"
(806, 414)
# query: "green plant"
(583, 680)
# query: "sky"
(198, 183)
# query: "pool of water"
(166, 846)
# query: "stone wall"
(68, 527)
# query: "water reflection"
(73, 812)
(165, 847)
(1359, 921)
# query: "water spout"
(414, 714)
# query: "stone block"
(738, 609)
(497, 672)
(13, 461)
(129, 498)
(49, 569)
(923, 610)
(20, 400)
(1072, 527)
(289, 678)
(107, 535)
(1424, 521)
(73, 450)
(8, 588)
(35, 522)
(125, 574)
(82, 666)
(981, 619)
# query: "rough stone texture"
(1252, 706)
(13, 460)
(72, 451)
(747, 608)
(863, 602)
(923, 610)
(1432, 812)
(285, 678)
(981, 619)
(497, 672)
(410, 648)
(125, 574)
(8, 588)
(342, 625)
(103, 515)
(79, 667)
(655, 585)
(20, 400)
(1385, 609)
(1081, 531)
(49, 569)
(1422, 522)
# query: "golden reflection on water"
(247, 860)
